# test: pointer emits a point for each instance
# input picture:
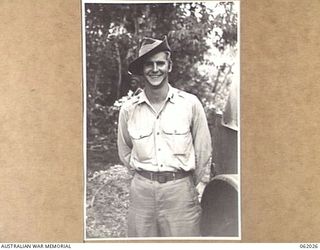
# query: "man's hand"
(200, 188)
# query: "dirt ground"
(107, 202)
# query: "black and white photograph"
(161, 84)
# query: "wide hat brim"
(136, 66)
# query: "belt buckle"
(162, 179)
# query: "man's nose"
(155, 67)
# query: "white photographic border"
(84, 78)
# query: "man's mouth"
(154, 76)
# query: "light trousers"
(168, 209)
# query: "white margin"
(84, 83)
(84, 96)
(238, 118)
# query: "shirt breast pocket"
(178, 138)
(142, 142)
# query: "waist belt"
(163, 177)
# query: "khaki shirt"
(175, 138)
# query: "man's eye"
(148, 64)
(161, 63)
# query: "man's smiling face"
(156, 69)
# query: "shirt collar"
(170, 96)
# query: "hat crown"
(149, 40)
(148, 44)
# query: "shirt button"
(161, 165)
(158, 133)
(158, 117)
(159, 149)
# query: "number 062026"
(313, 245)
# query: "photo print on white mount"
(199, 77)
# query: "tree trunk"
(118, 58)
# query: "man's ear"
(170, 66)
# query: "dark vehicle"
(220, 199)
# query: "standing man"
(164, 137)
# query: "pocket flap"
(175, 129)
(139, 133)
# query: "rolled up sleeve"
(202, 143)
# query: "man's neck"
(158, 95)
